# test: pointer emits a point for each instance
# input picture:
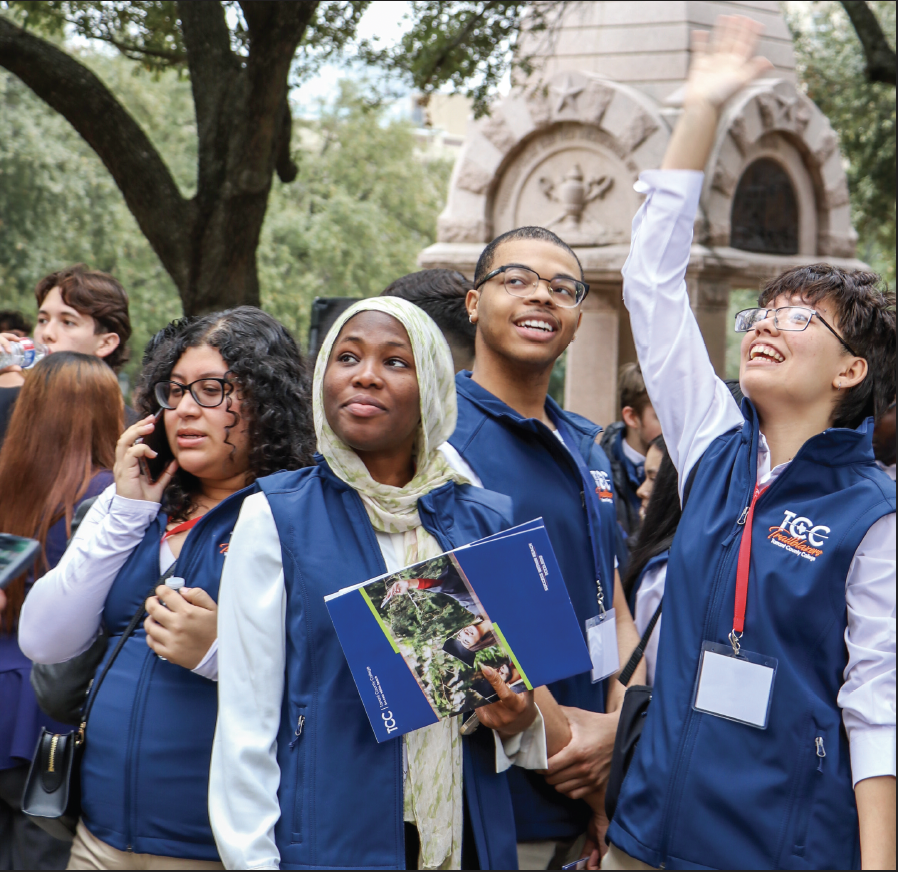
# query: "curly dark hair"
(272, 374)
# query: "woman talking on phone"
(229, 393)
(297, 777)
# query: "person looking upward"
(298, 779)
(511, 437)
(770, 739)
(626, 442)
(441, 294)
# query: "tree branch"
(86, 103)
(213, 70)
(880, 56)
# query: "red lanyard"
(742, 572)
(182, 528)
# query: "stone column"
(710, 297)
(591, 376)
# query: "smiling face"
(197, 434)
(62, 328)
(371, 397)
(797, 369)
(532, 331)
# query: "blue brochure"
(416, 639)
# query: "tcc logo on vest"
(603, 485)
(800, 536)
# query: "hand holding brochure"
(416, 640)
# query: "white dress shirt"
(695, 407)
(647, 598)
(244, 776)
(62, 614)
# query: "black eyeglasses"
(788, 318)
(208, 392)
(520, 281)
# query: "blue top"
(705, 792)
(341, 793)
(21, 720)
(569, 486)
(145, 770)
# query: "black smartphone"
(16, 555)
(153, 467)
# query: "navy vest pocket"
(813, 761)
(298, 746)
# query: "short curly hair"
(865, 309)
(273, 376)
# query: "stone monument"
(565, 147)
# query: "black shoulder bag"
(636, 700)
(61, 688)
(52, 796)
(632, 719)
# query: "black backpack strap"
(80, 514)
(639, 651)
(129, 630)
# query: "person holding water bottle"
(78, 310)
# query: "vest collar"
(584, 430)
(835, 446)
(437, 508)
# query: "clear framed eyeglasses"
(788, 318)
(520, 281)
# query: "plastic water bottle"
(25, 353)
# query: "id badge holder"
(734, 684)
(601, 638)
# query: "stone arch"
(572, 121)
(774, 121)
(764, 214)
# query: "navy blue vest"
(145, 771)
(341, 791)
(704, 792)
(521, 457)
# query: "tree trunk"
(206, 244)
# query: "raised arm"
(693, 405)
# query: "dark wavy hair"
(662, 517)
(274, 379)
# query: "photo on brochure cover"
(443, 633)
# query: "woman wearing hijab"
(297, 778)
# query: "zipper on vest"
(711, 618)
(821, 752)
(297, 732)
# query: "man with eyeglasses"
(770, 739)
(513, 438)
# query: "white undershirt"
(631, 453)
(62, 615)
(695, 407)
(244, 776)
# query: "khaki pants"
(88, 852)
(615, 858)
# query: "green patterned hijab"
(395, 509)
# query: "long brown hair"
(66, 422)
